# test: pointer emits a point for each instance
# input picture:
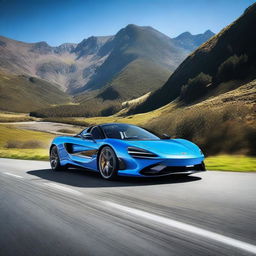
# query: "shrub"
(13, 144)
(64, 130)
(110, 110)
(32, 79)
(24, 144)
(232, 68)
(67, 120)
(109, 94)
(195, 88)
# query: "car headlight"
(140, 153)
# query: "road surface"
(77, 213)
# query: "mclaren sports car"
(126, 150)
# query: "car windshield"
(127, 132)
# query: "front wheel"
(108, 164)
(55, 160)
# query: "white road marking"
(186, 227)
(13, 175)
(59, 187)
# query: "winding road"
(77, 213)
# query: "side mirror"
(87, 136)
(166, 137)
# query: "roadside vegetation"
(68, 131)
(24, 144)
(25, 154)
(6, 117)
(237, 163)
(92, 107)
(227, 130)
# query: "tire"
(55, 160)
(108, 163)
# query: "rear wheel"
(55, 160)
(108, 164)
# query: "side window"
(84, 131)
(96, 133)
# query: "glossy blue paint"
(172, 152)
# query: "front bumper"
(162, 167)
(162, 170)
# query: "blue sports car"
(126, 150)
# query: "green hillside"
(19, 93)
(139, 77)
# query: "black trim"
(121, 164)
(68, 147)
(173, 170)
(140, 153)
(102, 131)
(83, 153)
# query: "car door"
(85, 152)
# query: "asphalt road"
(77, 213)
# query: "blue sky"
(58, 21)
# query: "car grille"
(150, 171)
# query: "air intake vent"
(140, 153)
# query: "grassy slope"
(244, 95)
(24, 94)
(139, 77)
(8, 133)
(14, 117)
(139, 119)
(237, 163)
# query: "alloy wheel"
(107, 163)
(54, 158)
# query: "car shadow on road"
(83, 178)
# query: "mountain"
(134, 61)
(190, 42)
(133, 53)
(221, 64)
(91, 46)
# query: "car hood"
(177, 147)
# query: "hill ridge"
(229, 55)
